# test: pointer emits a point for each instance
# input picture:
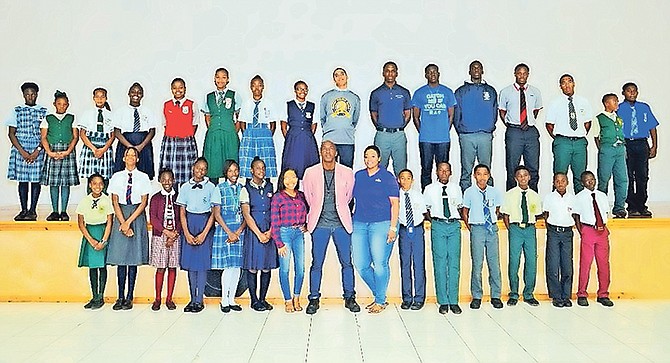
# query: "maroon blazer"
(156, 210)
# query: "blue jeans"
(520, 143)
(345, 154)
(294, 240)
(559, 270)
(428, 152)
(392, 145)
(412, 250)
(484, 242)
(474, 146)
(342, 240)
(371, 255)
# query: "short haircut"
(628, 84)
(443, 162)
(165, 171)
(521, 65)
(608, 96)
(295, 85)
(585, 173)
(339, 69)
(95, 175)
(203, 159)
(30, 85)
(559, 173)
(480, 166)
(406, 171)
(227, 165)
(519, 168)
(375, 148)
(136, 84)
(282, 175)
(221, 69)
(328, 141)
(390, 63)
(566, 75)
(476, 62)
(178, 79)
(257, 78)
(431, 65)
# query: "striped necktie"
(129, 189)
(488, 222)
(633, 122)
(136, 121)
(100, 122)
(523, 113)
(408, 210)
(255, 118)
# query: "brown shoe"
(296, 303)
(377, 308)
(288, 306)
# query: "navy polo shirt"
(372, 193)
(389, 104)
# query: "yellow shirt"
(95, 210)
(512, 205)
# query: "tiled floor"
(632, 331)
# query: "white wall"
(75, 46)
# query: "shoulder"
(343, 169)
(403, 89)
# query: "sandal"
(288, 306)
(368, 306)
(296, 303)
(377, 308)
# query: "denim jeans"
(294, 240)
(412, 248)
(477, 146)
(429, 152)
(483, 242)
(371, 254)
(345, 154)
(342, 240)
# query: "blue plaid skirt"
(61, 172)
(224, 254)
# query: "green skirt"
(221, 144)
(88, 256)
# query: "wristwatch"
(394, 228)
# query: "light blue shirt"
(197, 200)
(473, 199)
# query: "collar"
(223, 91)
(203, 182)
(251, 182)
(341, 89)
(60, 116)
(611, 115)
(395, 85)
(469, 82)
(130, 171)
(181, 102)
(166, 194)
(518, 86)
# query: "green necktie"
(445, 203)
(524, 208)
(100, 121)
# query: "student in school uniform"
(411, 245)
(444, 201)
(26, 156)
(227, 248)
(97, 134)
(558, 208)
(129, 241)
(481, 207)
(94, 218)
(590, 214)
(221, 108)
(135, 126)
(200, 201)
(179, 149)
(260, 253)
(520, 206)
(59, 138)
(258, 121)
(300, 149)
(164, 216)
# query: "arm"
(536, 112)
(313, 128)
(45, 143)
(73, 143)
(108, 229)
(550, 129)
(147, 139)
(654, 143)
(122, 139)
(155, 216)
(273, 127)
(407, 114)
(416, 113)
(208, 118)
(184, 224)
(465, 211)
(502, 114)
(505, 218)
(82, 227)
(86, 141)
(375, 118)
(284, 127)
(597, 140)
(251, 223)
(210, 222)
(450, 111)
(15, 142)
(275, 222)
(395, 209)
(139, 210)
(587, 126)
(578, 223)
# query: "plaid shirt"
(287, 211)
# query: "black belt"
(558, 229)
(449, 220)
(522, 225)
(637, 140)
(389, 129)
(514, 126)
(571, 138)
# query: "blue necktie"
(633, 122)
(488, 222)
(136, 122)
(255, 119)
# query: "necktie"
(408, 211)
(94, 205)
(100, 121)
(169, 213)
(572, 114)
(488, 222)
(596, 211)
(129, 189)
(523, 113)
(177, 103)
(524, 208)
(197, 186)
(136, 122)
(301, 105)
(633, 122)
(445, 203)
(255, 118)
(219, 97)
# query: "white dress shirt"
(433, 196)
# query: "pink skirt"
(162, 256)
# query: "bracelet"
(394, 228)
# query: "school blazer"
(313, 185)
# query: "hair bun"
(60, 94)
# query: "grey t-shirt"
(329, 217)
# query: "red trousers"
(594, 244)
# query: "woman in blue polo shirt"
(375, 226)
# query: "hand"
(283, 251)
(303, 228)
(98, 246)
(139, 148)
(233, 237)
(169, 242)
(33, 156)
(391, 236)
(97, 153)
(124, 227)
(191, 240)
(652, 152)
(129, 233)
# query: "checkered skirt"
(89, 164)
(162, 256)
(61, 172)
(257, 141)
(179, 154)
(224, 254)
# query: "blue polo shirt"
(389, 104)
(476, 108)
(646, 121)
(473, 199)
(198, 200)
(434, 102)
(372, 193)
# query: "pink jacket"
(313, 185)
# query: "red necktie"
(523, 114)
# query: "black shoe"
(98, 303)
(54, 216)
(532, 301)
(89, 305)
(21, 216)
(31, 216)
(645, 213)
(258, 306)
(557, 303)
(496, 303)
(118, 305)
(582, 301)
(634, 214)
(189, 308)
(605, 301)
(235, 308)
(455, 309)
(511, 302)
(312, 307)
(351, 304)
(64, 216)
(620, 214)
(417, 306)
(170, 305)
(225, 309)
(443, 309)
(198, 307)
(406, 305)
(266, 305)
(475, 303)
(567, 303)
(127, 304)
(156, 305)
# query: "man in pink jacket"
(328, 188)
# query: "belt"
(636, 139)
(389, 129)
(449, 220)
(558, 229)
(514, 126)
(522, 225)
(571, 138)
